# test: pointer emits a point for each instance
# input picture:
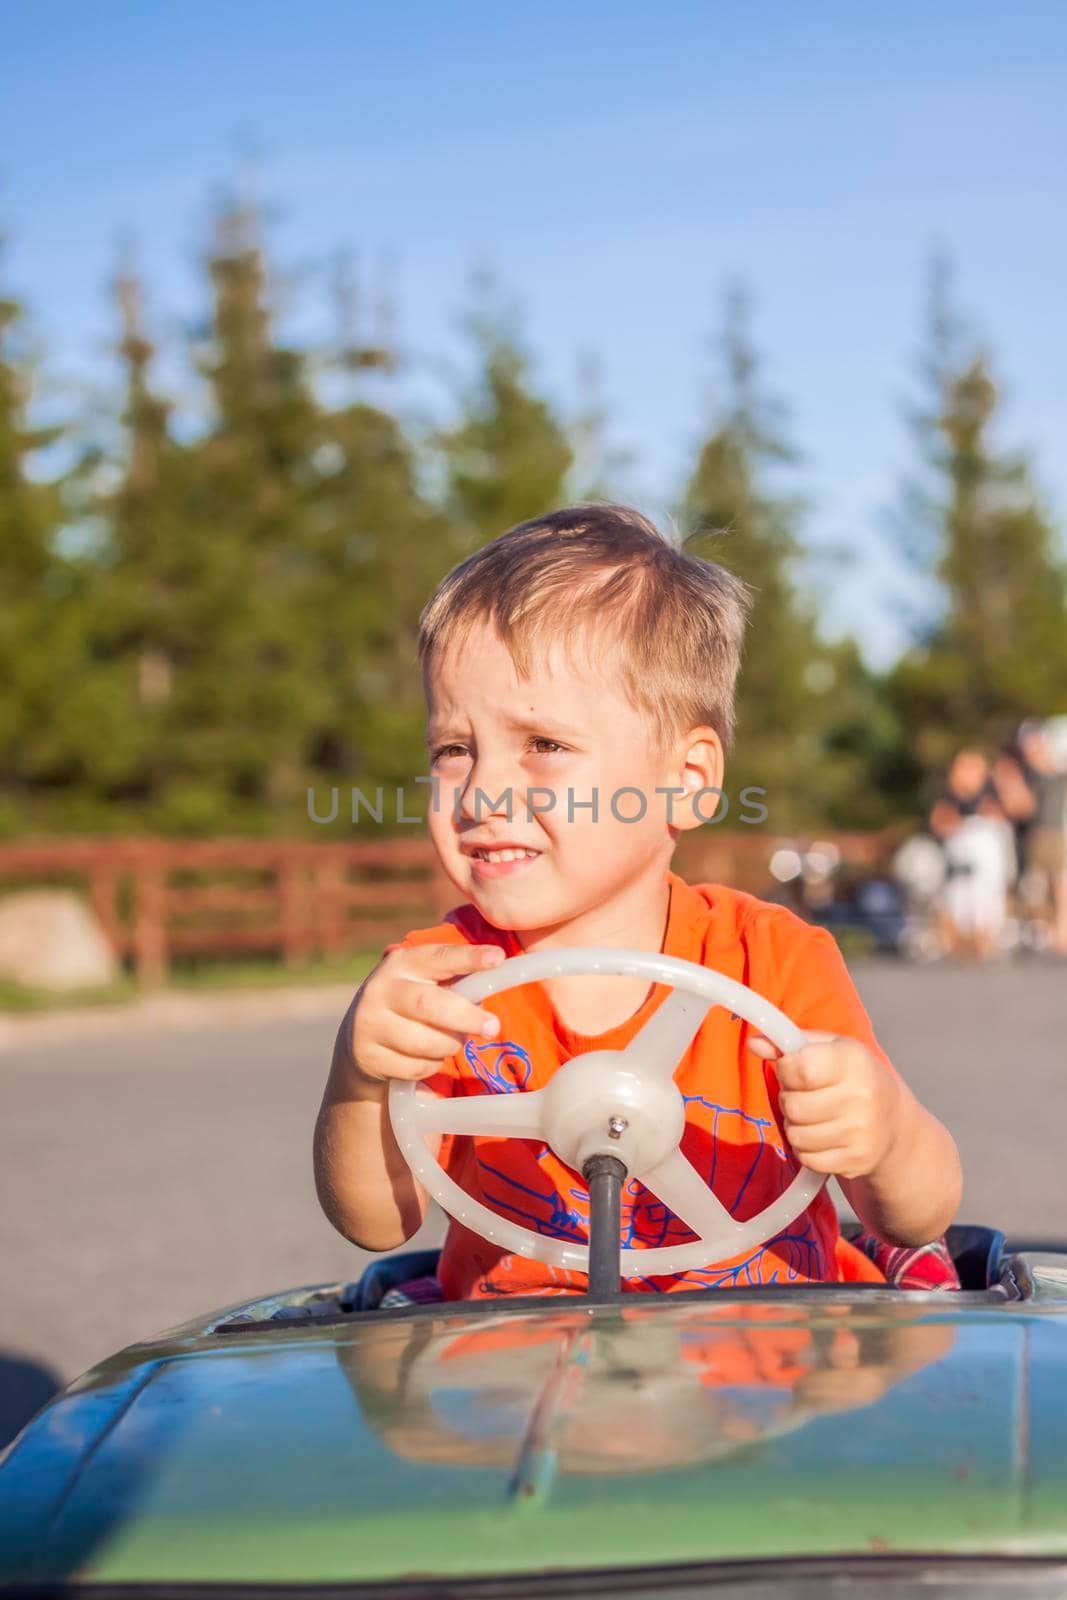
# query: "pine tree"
(997, 652)
(39, 645)
(508, 457)
(867, 773)
(250, 694)
(598, 463)
(379, 548)
(138, 594)
(733, 514)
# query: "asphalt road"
(147, 1178)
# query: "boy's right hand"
(405, 1020)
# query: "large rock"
(50, 939)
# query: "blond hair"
(590, 571)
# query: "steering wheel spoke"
(682, 1190)
(507, 1116)
(658, 1049)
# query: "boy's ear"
(702, 767)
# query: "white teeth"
(504, 855)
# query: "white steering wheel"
(622, 1103)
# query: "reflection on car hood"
(525, 1439)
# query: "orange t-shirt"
(733, 1133)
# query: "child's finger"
(814, 1067)
(808, 1106)
(768, 1052)
(761, 1046)
(417, 1042)
(439, 962)
(442, 1008)
(832, 1163)
(817, 1138)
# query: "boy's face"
(521, 762)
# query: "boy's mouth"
(489, 861)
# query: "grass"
(15, 999)
(196, 978)
(260, 973)
(271, 974)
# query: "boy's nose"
(489, 791)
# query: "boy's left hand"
(840, 1106)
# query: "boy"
(579, 675)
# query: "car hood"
(465, 1440)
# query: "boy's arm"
(845, 1108)
(914, 1193)
(404, 1022)
(364, 1185)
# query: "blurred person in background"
(1017, 801)
(1045, 772)
(969, 819)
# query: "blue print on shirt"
(505, 1068)
(761, 1124)
(543, 1209)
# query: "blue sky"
(617, 164)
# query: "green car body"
(294, 1442)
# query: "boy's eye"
(539, 745)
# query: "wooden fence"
(297, 899)
(160, 898)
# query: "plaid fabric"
(925, 1266)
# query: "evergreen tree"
(734, 514)
(598, 464)
(379, 548)
(138, 593)
(997, 652)
(250, 691)
(508, 457)
(867, 773)
(39, 645)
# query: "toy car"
(796, 1440)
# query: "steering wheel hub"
(596, 1104)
